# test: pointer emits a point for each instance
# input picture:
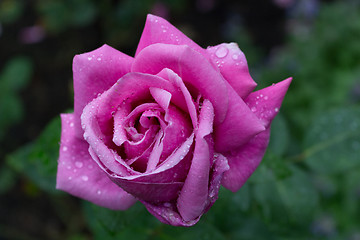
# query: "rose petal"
(177, 81)
(174, 168)
(243, 161)
(194, 194)
(176, 132)
(220, 166)
(158, 30)
(80, 176)
(233, 66)
(266, 102)
(193, 68)
(127, 91)
(94, 72)
(167, 213)
(161, 96)
(160, 185)
(239, 126)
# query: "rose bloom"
(166, 127)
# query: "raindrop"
(235, 57)
(65, 148)
(89, 58)
(266, 98)
(221, 52)
(78, 164)
(164, 31)
(72, 124)
(98, 192)
(85, 178)
(276, 109)
(253, 109)
(167, 204)
(69, 178)
(68, 167)
(99, 59)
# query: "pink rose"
(167, 127)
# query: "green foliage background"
(308, 185)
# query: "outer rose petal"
(266, 102)
(168, 212)
(240, 121)
(94, 72)
(80, 176)
(243, 161)
(158, 30)
(233, 66)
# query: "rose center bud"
(147, 134)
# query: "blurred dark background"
(316, 42)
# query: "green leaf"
(278, 165)
(279, 137)
(202, 231)
(14, 77)
(289, 201)
(134, 223)
(7, 179)
(333, 142)
(12, 106)
(16, 74)
(38, 160)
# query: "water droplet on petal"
(85, 178)
(276, 109)
(221, 52)
(72, 124)
(78, 164)
(98, 192)
(253, 109)
(69, 178)
(89, 58)
(235, 57)
(65, 148)
(99, 59)
(266, 98)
